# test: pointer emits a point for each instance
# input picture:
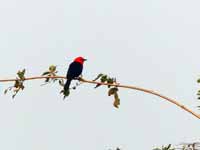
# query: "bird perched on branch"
(74, 71)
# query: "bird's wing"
(75, 69)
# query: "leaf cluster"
(49, 78)
(168, 147)
(198, 92)
(112, 90)
(50, 73)
(18, 84)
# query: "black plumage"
(74, 71)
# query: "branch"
(173, 101)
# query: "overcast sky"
(152, 44)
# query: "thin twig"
(173, 101)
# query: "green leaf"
(13, 96)
(110, 81)
(52, 68)
(165, 148)
(61, 82)
(54, 80)
(198, 81)
(104, 78)
(23, 71)
(168, 147)
(74, 87)
(112, 91)
(21, 74)
(22, 87)
(98, 85)
(116, 101)
(99, 75)
(65, 93)
(15, 93)
(5, 92)
(46, 73)
(16, 85)
(47, 80)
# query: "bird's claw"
(78, 78)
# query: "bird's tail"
(67, 84)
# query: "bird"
(74, 71)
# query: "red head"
(80, 60)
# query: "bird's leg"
(76, 78)
(79, 78)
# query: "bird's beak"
(84, 59)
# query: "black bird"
(74, 71)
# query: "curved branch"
(173, 101)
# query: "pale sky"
(152, 44)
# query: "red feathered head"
(80, 60)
